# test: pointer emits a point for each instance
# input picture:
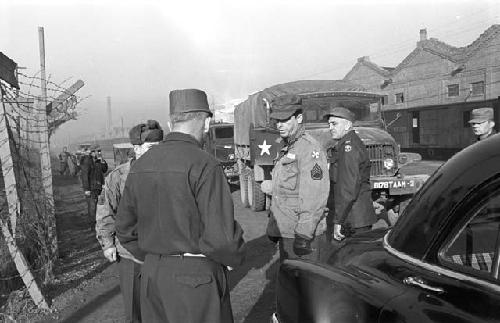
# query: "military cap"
(146, 132)
(285, 106)
(480, 115)
(339, 112)
(189, 100)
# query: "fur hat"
(150, 131)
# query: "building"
(429, 95)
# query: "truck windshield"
(224, 132)
(314, 110)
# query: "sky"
(136, 52)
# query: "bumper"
(399, 185)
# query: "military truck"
(257, 140)
(219, 142)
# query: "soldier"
(352, 209)
(142, 137)
(63, 161)
(482, 123)
(177, 207)
(92, 178)
(299, 186)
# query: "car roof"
(123, 145)
(432, 206)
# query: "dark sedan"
(439, 263)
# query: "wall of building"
(426, 75)
(366, 76)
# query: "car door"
(459, 279)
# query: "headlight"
(389, 163)
(230, 156)
(403, 159)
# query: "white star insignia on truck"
(264, 148)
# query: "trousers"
(182, 289)
(92, 206)
(130, 286)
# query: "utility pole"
(109, 123)
(45, 161)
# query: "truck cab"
(219, 142)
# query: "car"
(439, 263)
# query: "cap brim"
(281, 115)
(210, 113)
(326, 116)
(478, 120)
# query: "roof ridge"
(470, 49)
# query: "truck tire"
(256, 198)
(244, 190)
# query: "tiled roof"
(458, 55)
(383, 71)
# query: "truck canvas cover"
(252, 111)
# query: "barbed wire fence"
(27, 216)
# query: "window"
(224, 132)
(477, 88)
(453, 90)
(400, 98)
(385, 100)
(311, 115)
(474, 248)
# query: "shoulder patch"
(315, 154)
(347, 148)
(316, 172)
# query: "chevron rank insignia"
(316, 172)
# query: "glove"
(302, 245)
(337, 232)
(110, 254)
(273, 239)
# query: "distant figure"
(72, 165)
(64, 157)
(142, 137)
(482, 123)
(92, 176)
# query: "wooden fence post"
(47, 178)
(8, 172)
(23, 268)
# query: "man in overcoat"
(177, 208)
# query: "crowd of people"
(167, 217)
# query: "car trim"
(437, 269)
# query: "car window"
(474, 250)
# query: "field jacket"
(107, 207)
(300, 186)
